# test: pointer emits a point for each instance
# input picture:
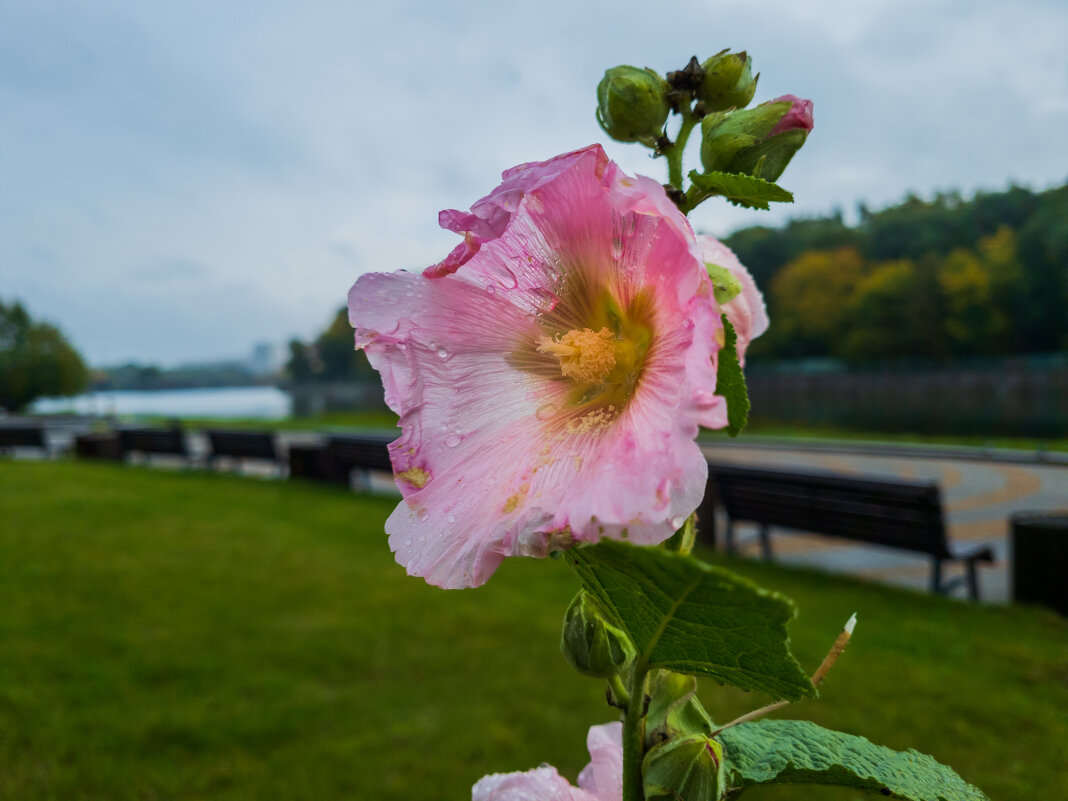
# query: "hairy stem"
(634, 737)
(675, 151)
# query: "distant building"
(266, 359)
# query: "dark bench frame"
(22, 436)
(244, 445)
(364, 452)
(148, 441)
(897, 514)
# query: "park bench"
(16, 435)
(893, 513)
(336, 458)
(363, 452)
(98, 445)
(154, 441)
(244, 445)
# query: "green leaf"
(740, 189)
(730, 381)
(687, 616)
(796, 751)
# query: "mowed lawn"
(168, 635)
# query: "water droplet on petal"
(545, 411)
(424, 516)
(401, 346)
(452, 441)
(408, 542)
(678, 522)
(491, 288)
(444, 354)
(451, 518)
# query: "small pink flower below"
(601, 780)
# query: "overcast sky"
(180, 180)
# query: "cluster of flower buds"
(633, 105)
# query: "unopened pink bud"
(799, 117)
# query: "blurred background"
(187, 191)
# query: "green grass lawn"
(188, 636)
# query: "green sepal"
(687, 616)
(688, 768)
(674, 709)
(769, 159)
(725, 287)
(730, 381)
(799, 752)
(589, 643)
(741, 190)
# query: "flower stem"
(675, 151)
(634, 737)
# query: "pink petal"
(746, 311)
(798, 117)
(540, 784)
(603, 777)
(488, 461)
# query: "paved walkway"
(978, 498)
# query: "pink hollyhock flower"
(601, 780)
(550, 374)
(799, 117)
(746, 310)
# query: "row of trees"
(931, 279)
(926, 279)
(330, 357)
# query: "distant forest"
(933, 280)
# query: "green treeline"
(330, 357)
(931, 280)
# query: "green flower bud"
(590, 644)
(726, 134)
(759, 141)
(674, 709)
(631, 104)
(685, 767)
(728, 81)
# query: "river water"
(263, 403)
